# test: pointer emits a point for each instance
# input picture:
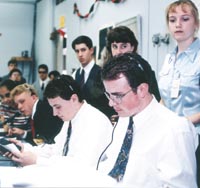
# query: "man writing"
(158, 146)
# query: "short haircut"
(13, 71)
(121, 34)
(23, 88)
(82, 39)
(55, 73)
(64, 86)
(132, 66)
(12, 62)
(9, 84)
(44, 66)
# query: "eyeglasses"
(116, 97)
(42, 72)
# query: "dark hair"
(55, 73)
(43, 66)
(15, 70)
(121, 34)
(9, 84)
(12, 62)
(82, 39)
(64, 86)
(132, 66)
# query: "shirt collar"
(190, 52)
(34, 108)
(44, 81)
(144, 115)
(88, 67)
(79, 112)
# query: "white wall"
(16, 26)
(16, 20)
(106, 13)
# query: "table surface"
(63, 174)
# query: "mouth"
(178, 32)
(117, 110)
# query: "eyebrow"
(56, 105)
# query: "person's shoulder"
(95, 113)
(171, 120)
(97, 67)
(5, 77)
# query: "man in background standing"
(43, 80)
(89, 75)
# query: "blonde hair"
(23, 88)
(183, 4)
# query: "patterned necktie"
(82, 78)
(120, 165)
(66, 146)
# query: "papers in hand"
(7, 146)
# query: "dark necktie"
(32, 127)
(42, 87)
(120, 165)
(82, 78)
(66, 146)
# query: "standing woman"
(179, 81)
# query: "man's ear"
(92, 50)
(74, 98)
(143, 89)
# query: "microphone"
(10, 119)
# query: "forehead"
(42, 69)
(118, 85)
(23, 95)
(80, 46)
(56, 101)
(120, 43)
(183, 8)
(12, 65)
(15, 73)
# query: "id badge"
(175, 88)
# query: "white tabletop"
(69, 174)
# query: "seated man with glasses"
(9, 112)
(151, 146)
(42, 81)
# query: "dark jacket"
(93, 91)
(46, 125)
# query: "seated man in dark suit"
(46, 126)
(91, 84)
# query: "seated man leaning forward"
(160, 145)
(84, 135)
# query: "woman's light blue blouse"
(179, 81)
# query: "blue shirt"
(183, 73)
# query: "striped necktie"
(120, 165)
(66, 146)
